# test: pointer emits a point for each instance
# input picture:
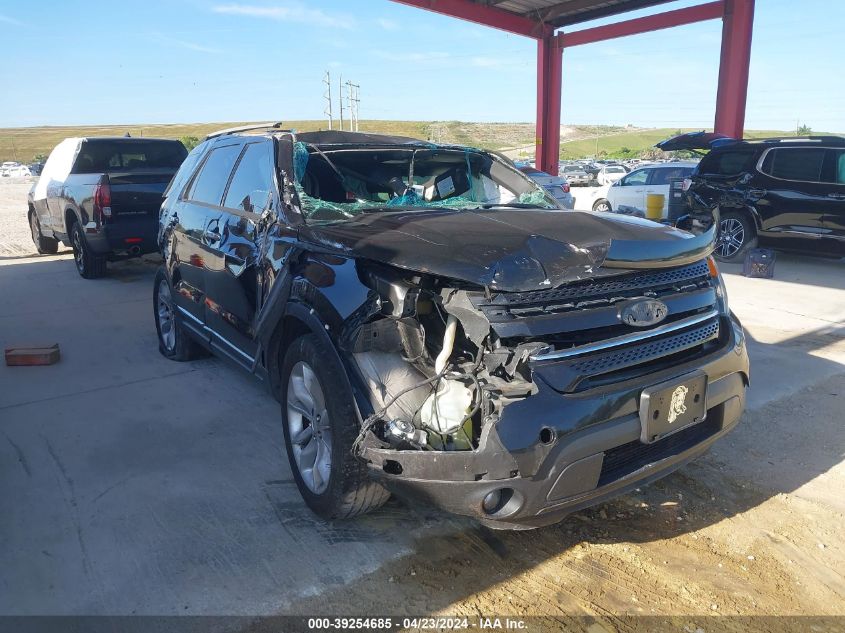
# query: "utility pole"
(327, 95)
(340, 98)
(354, 100)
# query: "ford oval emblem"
(643, 312)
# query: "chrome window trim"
(626, 339)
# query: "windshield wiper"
(514, 205)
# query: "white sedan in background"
(630, 191)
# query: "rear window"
(97, 157)
(795, 163)
(727, 163)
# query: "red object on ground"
(32, 355)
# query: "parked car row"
(11, 169)
(431, 321)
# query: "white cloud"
(289, 12)
(411, 57)
(191, 46)
(10, 20)
(387, 25)
(480, 61)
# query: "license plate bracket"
(671, 406)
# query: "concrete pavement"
(130, 484)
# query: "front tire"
(737, 235)
(173, 342)
(89, 265)
(319, 432)
(44, 245)
(602, 206)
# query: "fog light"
(492, 501)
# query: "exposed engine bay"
(435, 370)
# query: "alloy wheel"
(308, 427)
(78, 252)
(166, 319)
(731, 237)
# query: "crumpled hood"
(510, 249)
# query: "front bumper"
(594, 454)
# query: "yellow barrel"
(654, 205)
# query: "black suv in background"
(434, 326)
(102, 195)
(785, 193)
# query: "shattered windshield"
(338, 183)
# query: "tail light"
(565, 187)
(102, 200)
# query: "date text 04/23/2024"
(420, 623)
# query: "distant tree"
(39, 158)
(190, 142)
(803, 130)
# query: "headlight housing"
(721, 290)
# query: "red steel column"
(737, 28)
(549, 68)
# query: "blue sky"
(167, 61)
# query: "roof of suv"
(785, 141)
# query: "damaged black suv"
(434, 325)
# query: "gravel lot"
(14, 237)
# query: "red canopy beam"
(549, 78)
(737, 28)
(678, 17)
(481, 14)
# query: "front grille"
(629, 458)
(626, 357)
(584, 313)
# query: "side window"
(667, 175)
(190, 163)
(638, 177)
(834, 169)
(794, 163)
(253, 179)
(209, 184)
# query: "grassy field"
(577, 141)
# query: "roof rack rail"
(787, 139)
(245, 128)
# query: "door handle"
(211, 233)
(757, 193)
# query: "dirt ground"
(753, 528)
(15, 240)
